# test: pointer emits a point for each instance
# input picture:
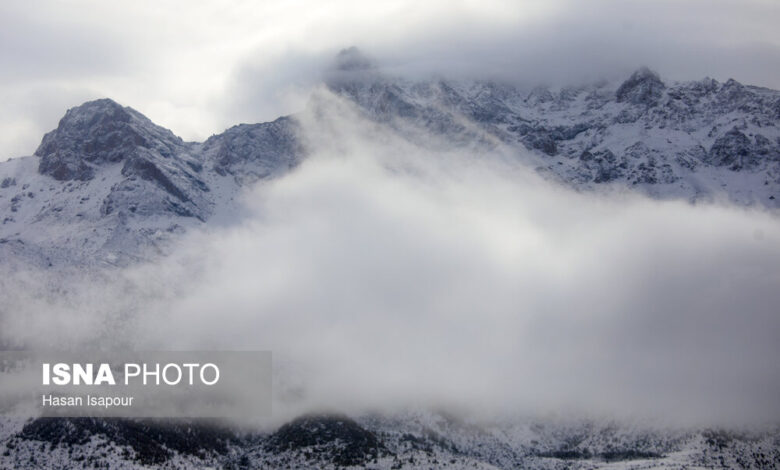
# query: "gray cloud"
(553, 43)
(49, 44)
(198, 69)
(385, 274)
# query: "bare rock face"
(159, 174)
(124, 187)
(734, 150)
(644, 87)
(100, 132)
(250, 152)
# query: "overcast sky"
(199, 67)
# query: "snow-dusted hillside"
(419, 440)
(109, 187)
(701, 140)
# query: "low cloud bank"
(383, 274)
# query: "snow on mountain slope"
(108, 186)
(701, 140)
(415, 440)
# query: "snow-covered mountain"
(415, 440)
(108, 186)
(698, 140)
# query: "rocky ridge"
(110, 187)
(415, 440)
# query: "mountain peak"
(120, 174)
(104, 103)
(97, 132)
(644, 72)
(349, 68)
(643, 87)
(98, 112)
(353, 59)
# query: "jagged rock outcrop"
(644, 87)
(250, 152)
(157, 168)
(734, 150)
(110, 186)
(588, 135)
(100, 132)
